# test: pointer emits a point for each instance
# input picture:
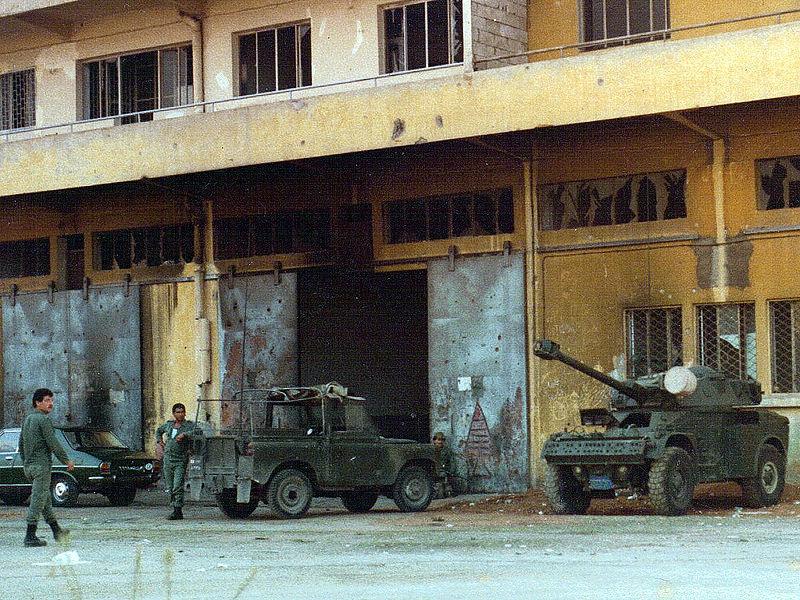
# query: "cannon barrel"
(550, 350)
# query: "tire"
(15, 498)
(290, 493)
(64, 491)
(359, 502)
(413, 489)
(671, 482)
(565, 493)
(226, 500)
(121, 496)
(766, 487)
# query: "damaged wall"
(499, 28)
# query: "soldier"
(444, 463)
(180, 434)
(37, 444)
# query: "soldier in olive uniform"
(179, 436)
(444, 463)
(37, 444)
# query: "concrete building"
(204, 196)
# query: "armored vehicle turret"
(665, 433)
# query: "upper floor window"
(276, 233)
(25, 258)
(778, 183)
(422, 34)
(17, 100)
(654, 340)
(727, 338)
(604, 19)
(136, 83)
(275, 59)
(613, 201)
(144, 247)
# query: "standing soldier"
(37, 444)
(177, 449)
(444, 464)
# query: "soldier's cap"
(438, 435)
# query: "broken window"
(443, 217)
(137, 83)
(778, 183)
(613, 201)
(727, 339)
(25, 258)
(17, 100)
(604, 19)
(275, 59)
(266, 234)
(784, 320)
(422, 34)
(144, 247)
(653, 340)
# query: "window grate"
(727, 339)
(18, 100)
(654, 340)
(784, 318)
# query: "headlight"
(148, 467)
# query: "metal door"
(477, 368)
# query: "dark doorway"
(369, 332)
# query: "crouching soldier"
(180, 435)
(444, 464)
(37, 444)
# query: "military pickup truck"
(284, 446)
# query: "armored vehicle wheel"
(671, 482)
(121, 496)
(565, 493)
(290, 494)
(413, 489)
(766, 487)
(226, 500)
(359, 502)
(64, 491)
(15, 498)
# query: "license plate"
(601, 482)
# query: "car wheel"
(413, 489)
(122, 495)
(64, 491)
(564, 492)
(226, 500)
(359, 502)
(15, 498)
(290, 494)
(766, 487)
(671, 482)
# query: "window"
(144, 247)
(443, 217)
(613, 201)
(277, 233)
(604, 19)
(9, 441)
(275, 59)
(27, 258)
(422, 34)
(17, 100)
(727, 339)
(784, 320)
(133, 83)
(778, 183)
(654, 340)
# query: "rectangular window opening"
(422, 34)
(784, 320)
(18, 100)
(143, 247)
(654, 340)
(275, 59)
(727, 339)
(605, 19)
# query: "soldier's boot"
(31, 541)
(59, 534)
(177, 514)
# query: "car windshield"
(97, 439)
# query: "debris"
(68, 558)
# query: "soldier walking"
(179, 436)
(37, 444)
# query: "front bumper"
(595, 451)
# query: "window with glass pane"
(653, 340)
(727, 338)
(17, 100)
(784, 320)
(275, 59)
(422, 34)
(604, 19)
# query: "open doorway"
(369, 332)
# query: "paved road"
(133, 553)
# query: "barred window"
(17, 100)
(654, 341)
(603, 19)
(442, 217)
(784, 320)
(275, 59)
(144, 247)
(277, 233)
(613, 201)
(778, 183)
(727, 338)
(25, 258)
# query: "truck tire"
(121, 495)
(226, 500)
(671, 482)
(565, 493)
(359, 502)
(413, 489)
(290, 493)
(766, 487)
(64, 491)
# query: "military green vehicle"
(284, 446)
(664, 434)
